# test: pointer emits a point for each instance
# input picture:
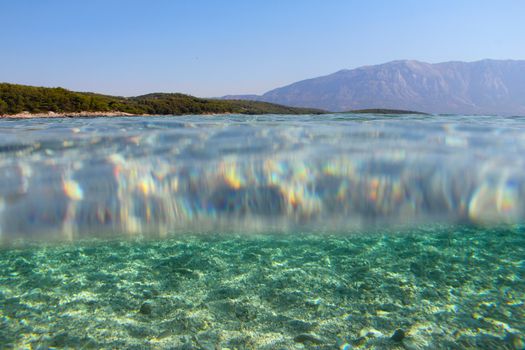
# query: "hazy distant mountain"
(488, 86)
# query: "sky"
(212, 48)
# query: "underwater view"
(338, 231)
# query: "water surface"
(68, 178)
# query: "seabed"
(454, 287)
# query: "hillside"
(482, 87)
(21, 98)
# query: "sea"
(336, 231)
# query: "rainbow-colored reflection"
(180, 174)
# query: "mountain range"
(481, 87)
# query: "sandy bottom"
(439, 288)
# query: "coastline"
(83, 114)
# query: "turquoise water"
(263, 232)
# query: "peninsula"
(22, 101)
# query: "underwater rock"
(224, 292)
(306, 338)
(65, 340)
(146, 309)
(398, 335)
(370, 333)
(139, 331)
(300, 326)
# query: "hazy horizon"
(213, 49)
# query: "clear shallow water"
(445, 287)
(279, 232)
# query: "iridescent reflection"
(154, 176)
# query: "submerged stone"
(306, 338)
(300, 326)
(398, 335)
(146, 309)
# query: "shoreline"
(84, 114)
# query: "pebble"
(307, 338)
(145, 309)
(370, 332)
(300, 326)
(398, 335)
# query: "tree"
(3, 107)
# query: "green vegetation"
(20, 98)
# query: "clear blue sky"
(212, 47)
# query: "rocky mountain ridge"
(481, 87)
